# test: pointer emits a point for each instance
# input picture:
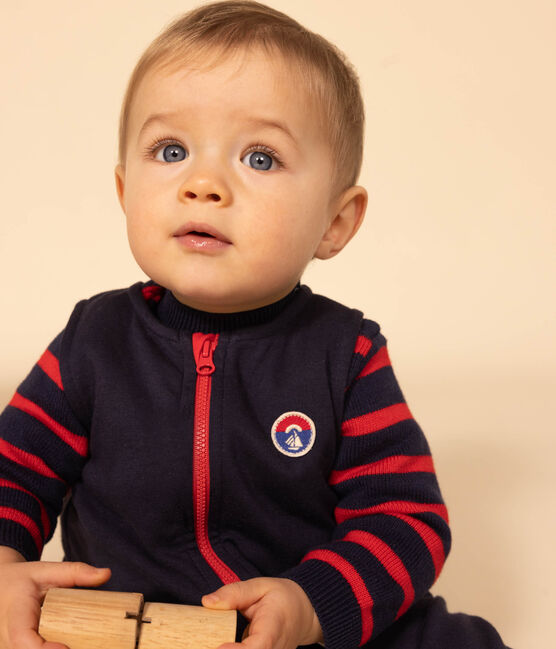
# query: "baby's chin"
(227, 303)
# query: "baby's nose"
(205, 188)
(213, 196)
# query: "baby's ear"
(349, 212)
(119, 174)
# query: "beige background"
(455, 259)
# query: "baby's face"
(227, 182)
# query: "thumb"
(240, 595)
(68, 574)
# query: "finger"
(68, 574)
(23, 622)
(264, 632)
(260, 640)
(30, 639)
(239, 595)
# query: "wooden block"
(185, 627)
(90, 619)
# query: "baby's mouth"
(201, 234)
(201, 237)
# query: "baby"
(220, 434)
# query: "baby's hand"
(279, 612)
(23, 587)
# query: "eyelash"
(268, 150)
(154, 146)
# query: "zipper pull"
(203, 350)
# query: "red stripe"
(363, 345)
(391, 562)
(378, 361)
(24, 520)
(51, 367)
(377, 420)
(431, 540)
(394, 464)
(27, 460)
(44, 516)
(393, 507)
(78, 443)
(357, 585)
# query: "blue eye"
(258, 160)
(172, 153)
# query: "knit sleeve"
(391, 536)
(43, 447)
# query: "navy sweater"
(188, 450)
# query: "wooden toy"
(91, 619)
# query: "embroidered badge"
(293, 434)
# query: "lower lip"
(198, 242)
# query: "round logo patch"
(293, 434)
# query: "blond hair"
(229, 26)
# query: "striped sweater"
(187, 450)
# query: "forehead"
(238, 84)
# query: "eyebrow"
(254, 121)
(156, 117)
(271, 123)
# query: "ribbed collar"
(176, 315)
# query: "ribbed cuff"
(333, 600)
(13, 535)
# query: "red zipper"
(203, 350)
